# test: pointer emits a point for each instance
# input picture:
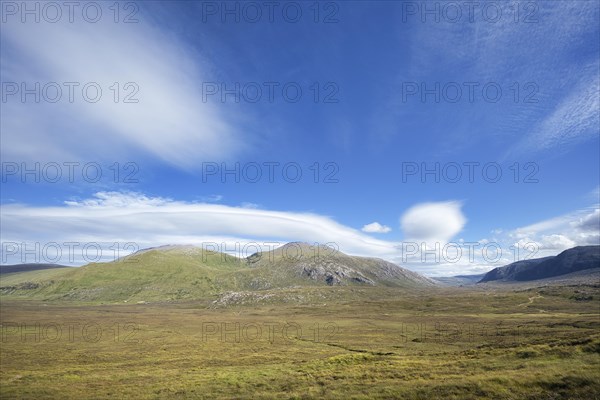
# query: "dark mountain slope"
(10, 269)
(571, 260)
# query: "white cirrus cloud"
(170, 122)
(376, 227)
(573, 120)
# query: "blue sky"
(386, 87)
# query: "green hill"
(18, 279)
(174, 273)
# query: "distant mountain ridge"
(459, 280)
(571, 260)
(15, 268)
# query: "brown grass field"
(450, 343)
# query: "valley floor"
(447, 343)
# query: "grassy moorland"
(330, 342)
